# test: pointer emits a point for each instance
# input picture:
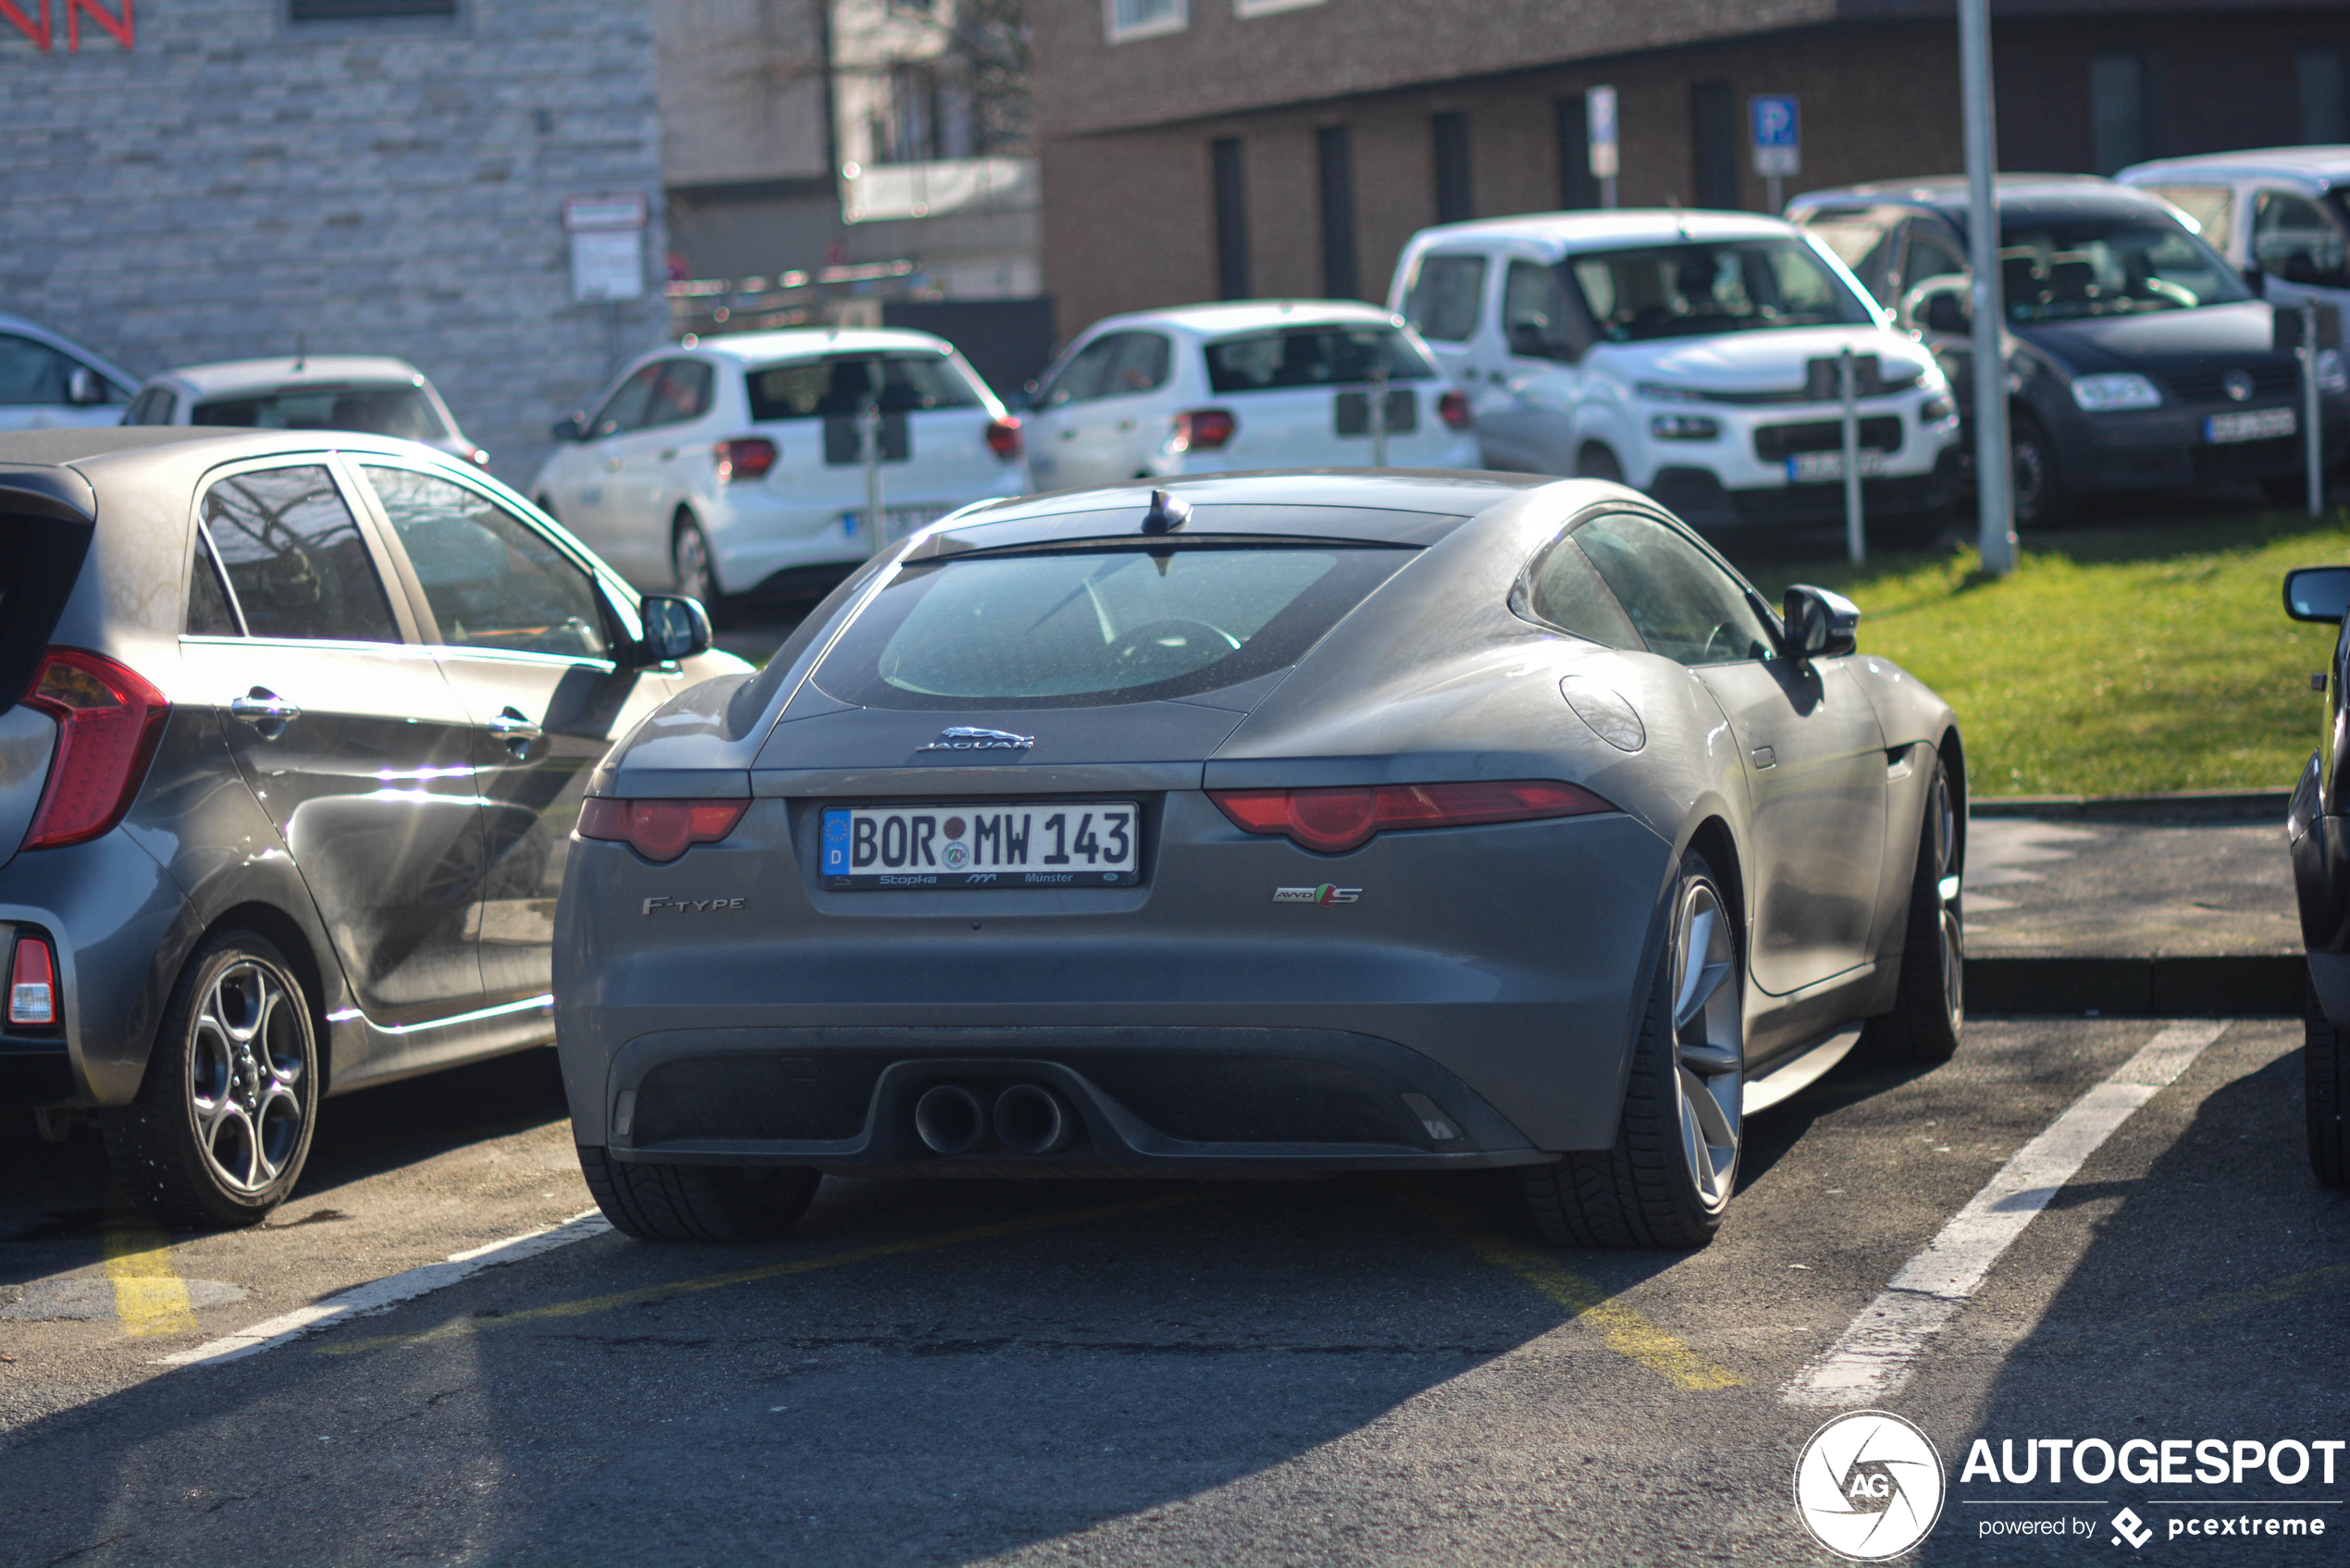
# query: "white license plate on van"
(896, 521)
(982, 844)
(1810, 467)
(2252, 424)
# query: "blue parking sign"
(1778, 134)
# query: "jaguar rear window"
(1092, 627)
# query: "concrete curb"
(2183, 807)
(2265, 984)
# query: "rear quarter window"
(1087, 627)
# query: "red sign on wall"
(39, 29)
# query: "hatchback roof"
(797, 341)
(1257, 315)
(251, 375)
(1637, 226)
(2322, 165)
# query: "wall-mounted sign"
(1600, 105)
(607, 245)
(37, 26)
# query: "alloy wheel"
(1709, 1040)
(1949, 924)
(690, 557)
(245, 1063)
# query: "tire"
(1929, 1008)
(2325, 1064)
(695, 571)
(1674, 1163)
(698, 1202)
(1595, 461)
(220, 1129)
(2041, 497)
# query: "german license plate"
(2252, 425)
(896, 521)
(1812, 466)
(994, 844)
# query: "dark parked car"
(292, 736)
(2138, 359)
(1285, 823)
(2316, 825)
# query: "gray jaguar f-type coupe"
(1267, 824)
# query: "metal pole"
(1856, 546)
(1607, 192)
(1379, 416)
(1994, 470)
(869, 445)
(1778, 193)
(2311, 412)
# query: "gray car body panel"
(1508, 964)
(196, 849)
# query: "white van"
(2281, 214)
(1694, 356)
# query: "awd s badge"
(1325, 894)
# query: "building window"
(1455, 202)
(1577, 187)
(1232, 219)
(365, 10)
(1123, 19)
(1713, 143)
(2118, 118)
(2325, 96)
(1335, 155)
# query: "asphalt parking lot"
(1350, 1370)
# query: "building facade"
(1205, 149)
(209, 180)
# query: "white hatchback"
(1694, 356)
(1256, 384)
(366, 394)
(735, 465)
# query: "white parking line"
(1872, 1358)
(381, 1295)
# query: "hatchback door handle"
(669, 454)
(516, 729)
(611, 465)
(264, 711)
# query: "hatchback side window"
(491, 579)
(681, 393)
(2294, 238)
(1081, 378)
(1142, 365)
(209, 613)
(1568, 594)
(295, 558)
(1685, 605)
(1445, 296)
(625, 409)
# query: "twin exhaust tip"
(1027, 1119)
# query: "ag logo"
(1867, 1486)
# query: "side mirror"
(2318, 592)
(675, 628)
(570, 428)
(1820, 624)
(85, 386)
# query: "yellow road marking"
(1624, 1331)
(645, 1293)
(149, 1296)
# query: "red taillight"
(1333, 821)
(1003, 437)
(1453, 407)
(659, 830)
(33, 983)
(1203, 429)
(748, 457)
(109, 719)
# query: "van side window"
(1444, 297)
(2294, 238)
(1535, 313)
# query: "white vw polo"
(735, 465)
(1695, 355)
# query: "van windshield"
(1702, 287)
(2108, 266)
(1089, 627)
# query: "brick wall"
(233, 183)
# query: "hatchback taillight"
(1453, 408)
(1003, 437)
(748, 458)
(659, 830)
(33, 983)
(109, 719)
(1333, 821)
(1204, 429)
